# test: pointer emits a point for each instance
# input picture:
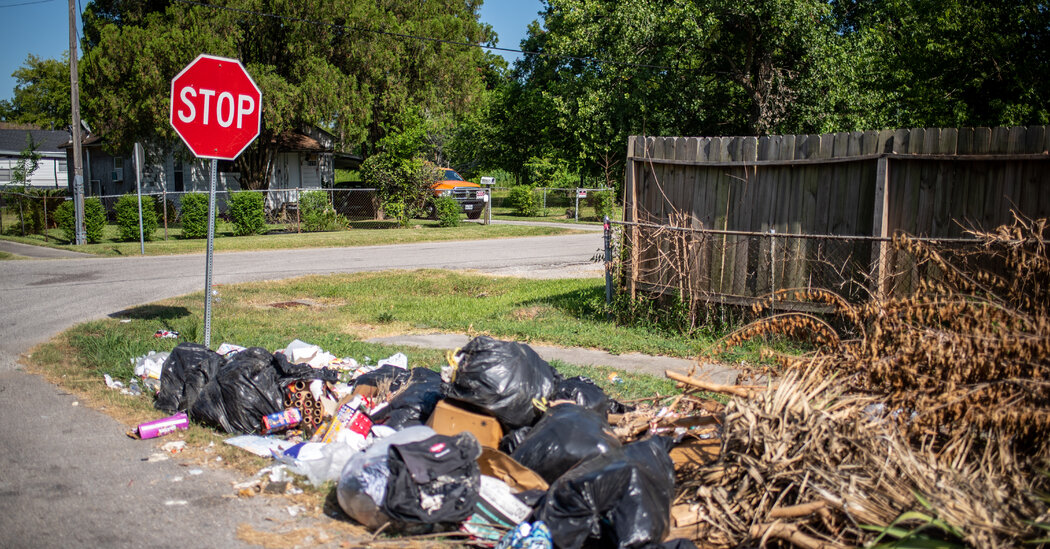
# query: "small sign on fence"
(581, 193)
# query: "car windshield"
(451, 175)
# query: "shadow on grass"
(152, 312)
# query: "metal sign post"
(211, 250)
(140, 156)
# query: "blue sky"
(41, 27)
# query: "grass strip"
(368, 233)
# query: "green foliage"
(317, 213)
(94, 219)
(194, 215)
(127, 210)
(247, 212)
(603, 202)
(548, 172)
(403, 185)
(29, 203)
(447, 211)
(354, 84)
(41, 94)
(523, 200)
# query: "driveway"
(72, 478)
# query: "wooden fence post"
(880, 227)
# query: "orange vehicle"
(471, 196)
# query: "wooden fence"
(932, 182)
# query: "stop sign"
(215, 107)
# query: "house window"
(118, 163)
(179, 183)
(62, 166)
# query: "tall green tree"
(952, 62)
(41, 94)
(344, 65)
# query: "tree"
(41, 94)
(353, 72)
(27, 163)
(952, 62)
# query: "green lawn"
(361, 233)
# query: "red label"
(437, 448)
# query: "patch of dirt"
(529, 313)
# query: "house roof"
(47, 141)
(295, 141)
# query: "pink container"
(161, 427)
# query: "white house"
(51, 172)
(303, 161)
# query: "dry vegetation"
(928, 420)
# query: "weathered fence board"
(931, 182)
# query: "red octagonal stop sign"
(215, 107)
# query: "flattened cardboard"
(694, 451)
(519, 477)
(450, 420)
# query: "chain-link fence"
(738, 268)
(32, 213)
(578, 204)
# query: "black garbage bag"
(584, 392)
(184, 374)
(435, 480)
(567, 435)
(394, 375)
(513, 439)
(414, 402)
(247, 387)
(503, 378)
(622, 498)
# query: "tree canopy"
(345, 65)
(605, 70)
(41, 94)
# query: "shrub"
(603, 202)
(94, 219)
(402, 185)
(523, 200)
(195, 215)
(247, 213)
(127, 210)
(447, 211)
(317, 213)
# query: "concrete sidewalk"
(631, 362)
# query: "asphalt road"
(70, 477)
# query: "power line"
(426, 38)
(25, 3)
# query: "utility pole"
(78, 165)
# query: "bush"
(317, 213)
(402, 185)
(94, 219)
(127, 210)
(195, 215)
(523, 200)
(247, 213)
(603, 202)
(447, 211)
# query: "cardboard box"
(694, 451)
(503, 467)
(450, 420)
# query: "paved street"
(72, 478)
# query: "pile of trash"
(498, 447)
